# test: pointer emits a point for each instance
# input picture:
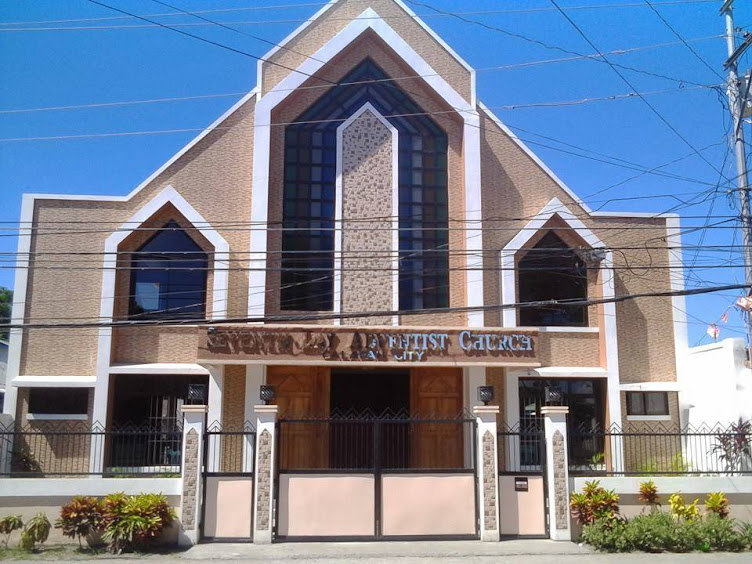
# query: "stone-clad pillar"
(266, 419)
(488, 471)
(194, 422)
(557, 471)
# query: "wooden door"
(302, 393)
(436, 393)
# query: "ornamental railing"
(365, 442)
(68, 448)
(658, 450)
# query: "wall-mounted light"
(267, 394)
(485, 394)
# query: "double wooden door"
(304, 393)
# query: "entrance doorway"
(374, 392)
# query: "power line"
(281, 318)
(628, 83)
(319, 4)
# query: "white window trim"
(649, 417)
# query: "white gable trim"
(508, 289)
(282, 44)
(339, 226)
(109, 272)
(368, 20)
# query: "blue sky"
(86, 66)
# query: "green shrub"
(80, 517)
(594, 503)
(37, 530)
(720, 533)
(660, 531)
(134, 521)
(718, 503)
(9, 524)
(608, 535)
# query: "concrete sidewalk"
(448, 552)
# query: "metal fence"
(522, 448)
(659, 451)
(365, 444)
(229, 451)
(55, 448)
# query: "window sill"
(562, 329)
(648, 417)
(57, 417)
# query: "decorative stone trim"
(560, 486)
(263, 492)
(190, 480)
(489, 482)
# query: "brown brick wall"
(336, 18)
(233, 417)
(137, 345)
(215, 177)
(514, 189)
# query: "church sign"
(367, 345)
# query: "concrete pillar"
(7, 427)
(194, 424)
(266, 419)
(557, 471)
(488, 472)
(214, 414)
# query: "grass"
(73, 552)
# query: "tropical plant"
(648, 494)
(35, 532)
(718, 503)
(594, 503)
(596, 461)
(80, 517)
(734, 446)
(680, 510)
(9, 524)
(132, 521)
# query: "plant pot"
(94, 540)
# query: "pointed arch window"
(168, 277)
(309, 195)
(551, 270)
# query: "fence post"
(194, 424)
(557, 471)
(263, 488)
(7, 426)
(488, 471)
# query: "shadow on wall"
(631, 321)
(501, 199)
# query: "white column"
(214, 412)
(194, 423)
(488, 471)
(255, 376)
(474, 376)
(557, 471)
(263, 487)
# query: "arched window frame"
(555, 209)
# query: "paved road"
(517, 552)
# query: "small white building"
(716, 386)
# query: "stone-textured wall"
(190, 481)
(233, 418)
(561, 503)
(367, 192)
(489, 483)
(263, 491)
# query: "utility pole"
(737, 103)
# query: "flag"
(744, 303)
(724, 317)
(713, 331)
